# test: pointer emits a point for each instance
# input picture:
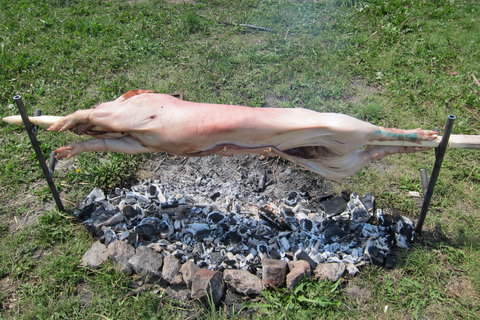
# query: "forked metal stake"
(439, 154)
(36, 147)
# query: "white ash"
(220, 232)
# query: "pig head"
(141, 121)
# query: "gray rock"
(121, 252)
(207, 282)
(178, 292)
(273, 272)
(187, 271)
(243, 281)
(330, 271)
(298, 270)
(146, 263)
(170, 271)
(95, 256)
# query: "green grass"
(401, 63)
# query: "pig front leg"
(79, 117)
(124, 145)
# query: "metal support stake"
(38, 152)
(37, 113)
(439, 154)
(424, 180)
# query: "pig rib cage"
(428, 185)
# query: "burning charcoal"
(165, 229)
(404, 232)
(216, 258)
(177, 225)
(275, 221)
(145, 231)
(116, 218)
(306, 225)
(360, 215)
(130, 212)
(302, 255)
(369, 230)
(376, 256)
(262, 181)
(317, 258)
(334, 206)
(287, 213)
(274, 253)
(198, 229)
(96, 195)
(101, 215)
(389, 261)
(215, 217)
(109, 236)
(368, 201)
(357, 208)
(148, 228)
(232, 237)
(346, 194)
(262, 248)
(84, 212)
(292, 198)
(284, 243)
(243, 231)
(215, 196)
(152, 191)
(263, 231)
(206, 210)
(333, 231)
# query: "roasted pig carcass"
(329, 144)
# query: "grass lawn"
(401, 63)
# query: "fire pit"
(222, 222)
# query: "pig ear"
(132, 93)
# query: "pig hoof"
(426, 134)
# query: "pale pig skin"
(140, 121)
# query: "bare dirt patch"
(359, 91)
(461, 289)
(8, 287)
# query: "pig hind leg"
(124, 145)
(393, 134)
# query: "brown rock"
(120, 252)
(330, 271)
(273, 272)
(207, 282)
(95, 256)
(170, 271)
(298, 270)
(243, 281)
(187, 271)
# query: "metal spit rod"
(439, 154)
(38, 152)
